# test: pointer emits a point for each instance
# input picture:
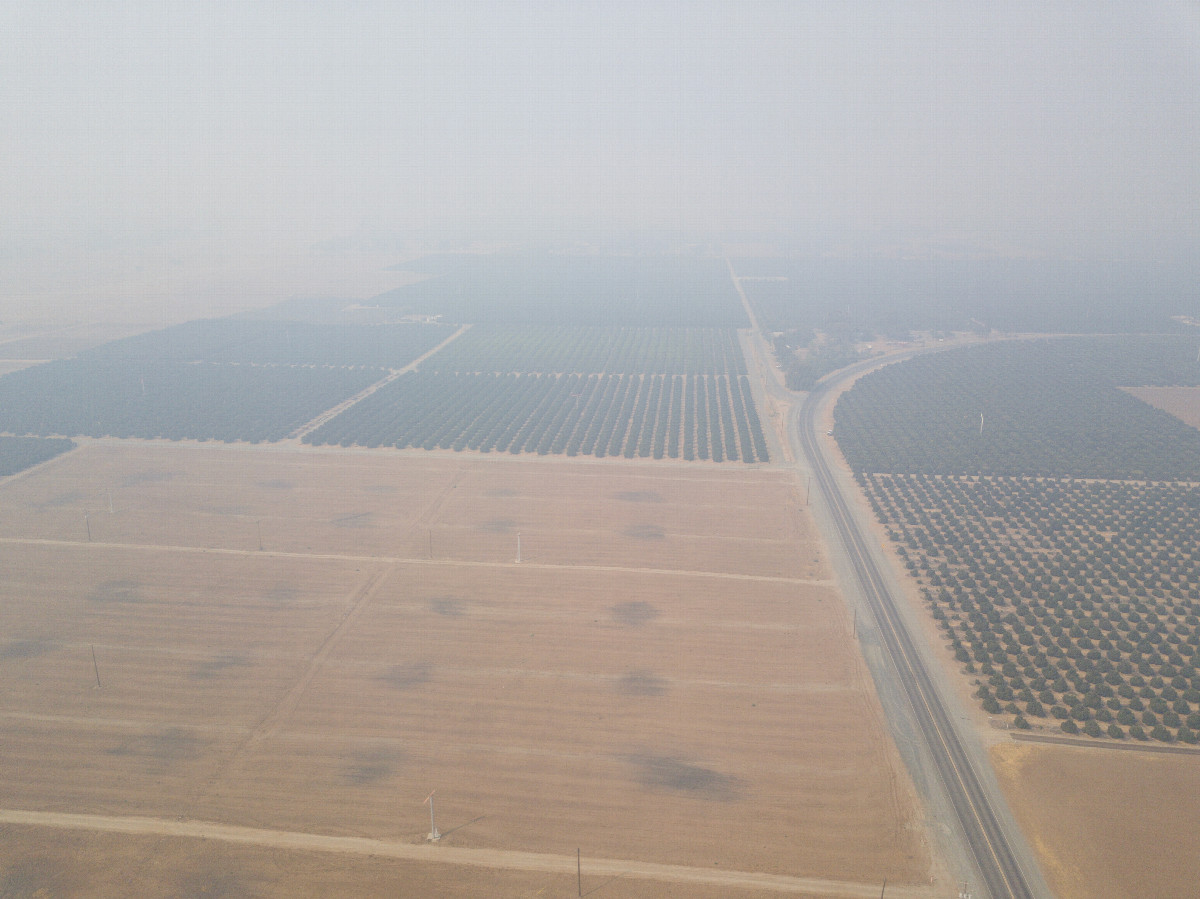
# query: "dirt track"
(431, 854)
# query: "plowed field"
(294, 643)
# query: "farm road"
(441, 854)
(304, 430)
(463, 563)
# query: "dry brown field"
(1182, 402)
(665, 678)
(1107, 823)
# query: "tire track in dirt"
(395, 560)
(448, 855)
(272, 721)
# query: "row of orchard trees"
(696, 417)
(1048, 408)
(268, 342)
(19, 453)
(547, 349)
(1051, 520)
(1075, 600)
(172, 400)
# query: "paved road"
(997, 863)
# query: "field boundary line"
(508, 859)
(1106, 744)
(279, 713)
(399, 560)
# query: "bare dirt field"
(1182, 402)
(1107, 823)
(665, 679)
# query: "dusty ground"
(666, 677)
(1182, 402)
(1107, 823)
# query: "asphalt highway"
(998, 865)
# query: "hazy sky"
(1041, 128)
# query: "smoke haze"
(246, 138)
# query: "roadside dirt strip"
(477, 858)
(998, 863)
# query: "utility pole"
(434, 836)
(95, 667)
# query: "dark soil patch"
(24, 649)
(645, 532)
(372, 766)
(407, 676)
(661, 772)
(147, 477)
(213, 667)
(175, 744)
(498, 525)
(642, 683)
(634, 614)
(449, 606)
(117, 591)
(640, 496)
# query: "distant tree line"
(572, 290)
(265, 342)
(172, 400)
(1047, 408)
(19, 453)
(545, 349)
(891, 297)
